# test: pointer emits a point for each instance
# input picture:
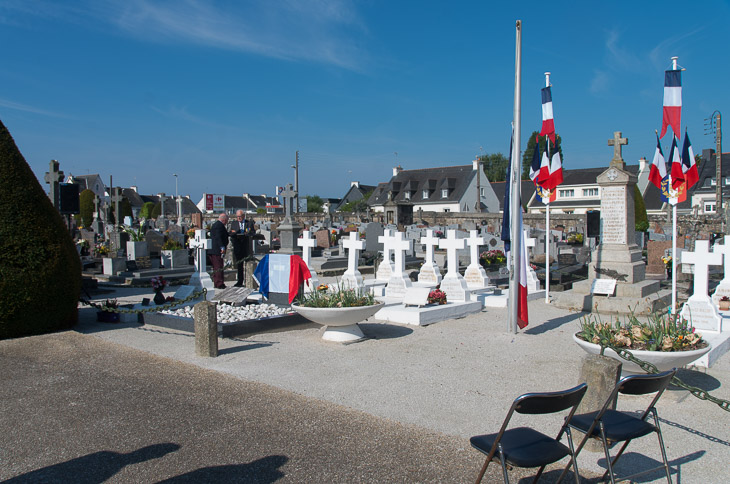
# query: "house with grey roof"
(356, 192)
(442, 189)
(703, 195)
(92, 182)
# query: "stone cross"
(163, 199)
(474, 242)
(288, 194)
(96, 207)
(116, 197)
(529, 241)
(385, 269)
(452, 244)
(53, 178)
(352, 277)
(430, 242)
(617, 142)
(400, 246)
(306, 243)
(702, 259)
(200, 243)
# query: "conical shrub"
(40, 270)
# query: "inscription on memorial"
(613, 215)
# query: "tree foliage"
(40, 270)
(495, 166)
(156, 210)
(531, 143)
(315, 204)
(146, 210)
(641, 221)
(126, 208)
(86, 207)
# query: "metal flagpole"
(673, 202)
(515, 235)
(547, 228)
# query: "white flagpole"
(673, 201)
(515, 235)
(547, 227)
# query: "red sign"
(209, 201)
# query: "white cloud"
(30, 109)
(599, 82)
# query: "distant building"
(91, 182)
(356, 192)
(232, 203)
(703, 194)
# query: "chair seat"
(618, 426)
(523, 447)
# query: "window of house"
(407, 195)
(445, 193)
(447, 210)
(481, 191)
(566, 193)
(425, 194)
(590, 192)
(709, 207)
(713, 182)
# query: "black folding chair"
(525, 447)
(612, 426)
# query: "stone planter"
(341, 323)
(107, 317)
(663, 360)
(135, 250)
(173, 259)
(113, 265)
(723, 305)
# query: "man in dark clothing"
(219, 236)
(241, 232)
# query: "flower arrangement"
(667, 259)
(171, 244)
(323, 287)
(339, 298)
(109, 304)
(135, 235)
(492, 257)
(190, 234)
(575, 238)
(158, 283)
(439, 234)
(725, 298)
(658, 333)
(437, 296)
(101, 249)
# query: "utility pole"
(714, 123)
(296, 181)
(478, 207)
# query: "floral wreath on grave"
(437, 296)
(658, 333)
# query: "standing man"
(219, 236)
(241, 232)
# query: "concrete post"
(601, 373)
(206, 329)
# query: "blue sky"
(224, 93)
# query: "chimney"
(397, 170)
(642, 164)
(475, 164)
(133, 187)
(355, 184)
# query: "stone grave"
(385, 268)
(200, 278)
(352, 277)
(430, 272)
(232, 295)
(699, 308)
(399, 282)
(288, 229)
(453, 283)
(307, 243)
(373, 231)
(654, 253)
(475, 276)
(154, 241)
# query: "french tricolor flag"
(281, 273)
(675, 160)
(658, 170)
(672, 112)
(689, 167)
(548, 125)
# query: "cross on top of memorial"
(288, 194)
(617, 142)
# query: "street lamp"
(177, 202)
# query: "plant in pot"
(136, 245)
(108, 313)
(437, 296)
(339, 309)
(492, 258)
(158, 284)
(173, 254)
(665, 341)
(667, 259)
(724, 303)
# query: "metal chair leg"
(484, 469)
(608, 456)
(661, 446)
(504, 467)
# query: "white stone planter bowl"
(341, 323)
(663, 360)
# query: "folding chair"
(611, 426)
(525, 447)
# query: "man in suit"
(241, 231)
(219, 236)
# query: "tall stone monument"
(617, 259)
(288, 228)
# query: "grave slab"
(423, 316)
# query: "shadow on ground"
(553, 324)
(260, 471)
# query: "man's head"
(239, 215)
(223, 218)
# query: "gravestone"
(533, 284)
(475, 275)
(154, 241)
(118, 241)
(654, 253)
(430, 272)
(399, 282)
(289, 229)
(323, 238)
(307, 243)
(235, 296)
(723, 288)
(201, 279)
(385, 268)
(373, 232)
(699, 308)
(453, 283)
(352, 277)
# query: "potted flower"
(437, 296)
(136, 245)
(339, 310)
(662, 340)
(173, 254)
(492, 259)
(724, 303)
(667, 259)
(108, 313)
(158, 284)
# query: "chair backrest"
(537, 403)
(643, 384)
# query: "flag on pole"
(546, 196)
(675, 161)
(556, 171)
(689, 167)
(672, 111)
(548, 125)
(658, 170)
(522, 270)
(535, 165)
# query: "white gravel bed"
(231, 314)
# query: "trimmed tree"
(40, 270)
(86, 207)
(641, 221)
(126, 208)
(156, 211)
(146, 210)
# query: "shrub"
(40, 270)
(156, 211)
(86, 207)
(641, 221)
(146, 210)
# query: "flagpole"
(515, 235)
(673, 201)
(547, 225)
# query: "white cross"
(452, 244)
(724, 249)
(400, 246)
(200, 244)
(529, 241)
(306, 243)
(474, 242)
(430, 242)
(353, 246)
(702, 259)
(387, 240)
